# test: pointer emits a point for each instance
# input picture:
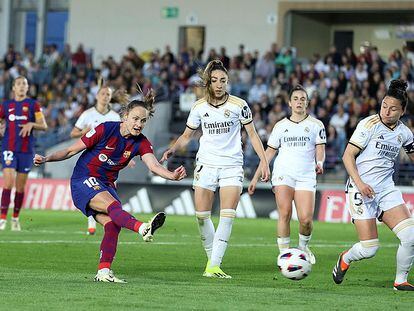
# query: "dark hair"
(146, 102)
(205, 76)
(398, 90)
(298, 87)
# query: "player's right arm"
(270, 154)
(350, 154)
(60, 155)
(181, 142)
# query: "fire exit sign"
(169, 12)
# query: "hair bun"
(399, 84)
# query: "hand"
(166, 155)
(252, 187)
(179, 173)
(265, 173)
(132, 164)
(2, 129)
(319, 169)
(26, 129)
(366, 190)
(38, 160)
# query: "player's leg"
(284, 195)
(21, 180)
(9, 174)
(229, 199)
(203, 203)
(399, 220)
(107, 250)
(366, 248)
(305, 205)
(107, 202)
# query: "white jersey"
(220, 144)
(380, 147)
(92, 118)
(296, 143)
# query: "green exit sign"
(169, 12)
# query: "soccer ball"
(294, 264)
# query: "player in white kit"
(91, 118)
(369, 160)
(219, 162)
(299, 141)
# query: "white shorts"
(362, 208)
(298, 183)
(212, 178)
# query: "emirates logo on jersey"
(127, 154)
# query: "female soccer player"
(369, 159)
(21, 115)
(219, 160)
(94, 116)
(300, 142)
(109, 148)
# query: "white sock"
(91, 223)
(283, 243)
(206, 228)
(361, 250)
(405, 253)
(304, 241)
(222, 236)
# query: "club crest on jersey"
(103, 157)
(399, 138)
(25, 108)
(226, 113)
(307, 130)
(96, 188)
(127, 154)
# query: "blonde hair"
(147, 102)
(205, 76)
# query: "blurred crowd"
(342, 87)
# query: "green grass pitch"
(51, 263)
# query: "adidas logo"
(381, 137)
(139, 203)
(245, 208)
(183, 205)
(206, 115)
(286, 131)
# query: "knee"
(369, 248)
(306, 223)
(405, 232)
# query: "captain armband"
(409, 148)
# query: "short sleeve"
(80, 123)
(274, 138)
(361, 136)
(321, 135)
(145, 147)
(408, 144)
(94, 136)
(245, 114)
(194, 119)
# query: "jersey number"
(91, 182)
(358, 199)
(8, 155)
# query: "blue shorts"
(84, 190)
(22, 162)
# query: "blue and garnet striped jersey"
(108, 152)
(16, 113)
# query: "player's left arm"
(155, 167)
(258, 148)
(39, 124)
(60, 155)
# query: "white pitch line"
(387, 245)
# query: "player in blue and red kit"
(21, 116)
(109, 148)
